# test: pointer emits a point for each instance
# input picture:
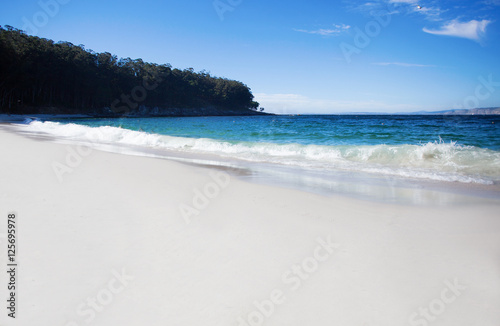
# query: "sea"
(416, 159)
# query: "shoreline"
(174, 113)
(356, 185)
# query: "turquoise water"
(479, 131)
(464, 149)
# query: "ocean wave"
(433, 160)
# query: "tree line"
(39, 75)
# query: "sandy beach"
(111, 239)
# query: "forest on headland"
(40, 76)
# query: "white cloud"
(295, 103)
(492, 2)
(402, 7)
(401, 64)
(336, 30)
(403, 1)
(472, 30)
(431, 13)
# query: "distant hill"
(477, 111)
(40, 76)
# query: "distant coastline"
(476, 111)
(49, 113)
(141, 112)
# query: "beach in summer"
(250, 163)
(112, 238)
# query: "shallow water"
(464, 149)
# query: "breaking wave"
(433, 160)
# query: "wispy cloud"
(492, 2)
(455, 20)
(400, 7)
(472, 30)
(430, 13)
(401, 64)
(336, 30)
(403, 1)
(369, 8)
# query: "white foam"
(436, 161)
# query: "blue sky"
(299, 57)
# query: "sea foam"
(433, 160)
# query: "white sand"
(116, 214)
